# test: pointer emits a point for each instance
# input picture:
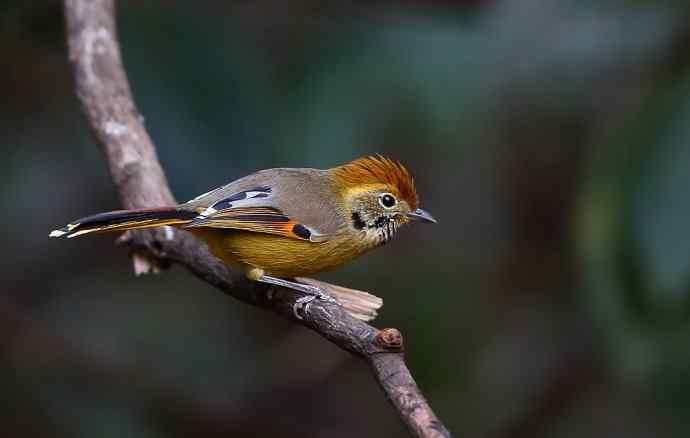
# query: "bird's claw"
(305, 302)
(302, 303)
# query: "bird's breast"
(281, 256)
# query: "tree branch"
(104, 92)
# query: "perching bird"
(277, 225)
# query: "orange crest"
(379, 170)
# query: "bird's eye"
(387, 200)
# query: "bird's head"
(378, 197)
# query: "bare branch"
(104, 92)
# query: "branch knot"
(390, 339)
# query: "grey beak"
(421, 215)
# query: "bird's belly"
(276, 255)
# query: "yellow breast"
(279, 256)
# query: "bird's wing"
(283, 202)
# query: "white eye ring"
(386, 200)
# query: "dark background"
(550, 138)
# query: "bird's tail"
(125, 220)
(362, 305)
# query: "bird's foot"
(310, 292)
(305, 302)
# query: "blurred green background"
(551, 139)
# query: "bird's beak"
(421, 215)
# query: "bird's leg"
(311, 293)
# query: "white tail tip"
(57, 233)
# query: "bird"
(280, 225)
